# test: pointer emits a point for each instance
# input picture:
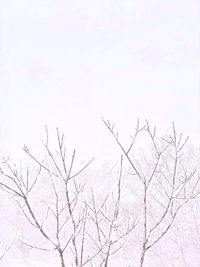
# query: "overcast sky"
(68, 63)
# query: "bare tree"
(167, 182)
(84, 230)
(64, 216)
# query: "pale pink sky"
(67, 63)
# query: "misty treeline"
(143, 211)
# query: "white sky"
(67, 63)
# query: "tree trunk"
(62, 263)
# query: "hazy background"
(67, 63)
